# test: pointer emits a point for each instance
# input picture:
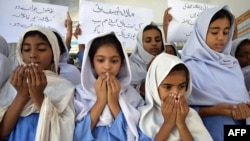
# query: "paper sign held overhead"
(19, 15)
(98, 18)
(184, 15)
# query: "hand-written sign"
(98, 18)
(184, 15)
(20, 15)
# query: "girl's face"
(152, 41)
(174, 83)
(243, 55)
(107, 60)
(38, 51)
(218, 34)
(169, 49)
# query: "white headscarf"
(5, 69)
(53, 42)
(246, 69)
(174, 47)
(4, 49)
(6, 64)
(151, 115)
(57, 110)
(139, 60)
(235, 45)
(217, 77)
(129, 99)
(5, 72)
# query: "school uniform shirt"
(151, 116)
(70, 72)
(55, 120)
(217, 76)
(124, 126)
(246, 69)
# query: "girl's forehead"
(169, 47)
(107, 46)
(219, 21)
(107, 49)
(175, 77)
(34, 36)
(244, 48)
(150, 31)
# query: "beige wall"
(238, 7)
(159, 6)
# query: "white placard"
(16, 16)
(97, 18)
(184, 15)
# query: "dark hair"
(34, 33)
(60, 43)
(222, 14)
(243, 43)
(105, 40)
(152, 26)
(181, 67)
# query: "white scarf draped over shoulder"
(217, 76)
(151, 115)
(56, 116)
(129, 99)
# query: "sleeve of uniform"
(82, 130)
(118, 127)
(143, 137)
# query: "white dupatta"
(151, 116)
(56, 116)
(224, 82)
(129, 99)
